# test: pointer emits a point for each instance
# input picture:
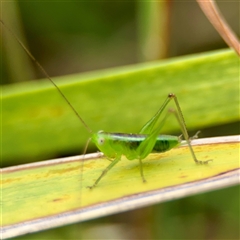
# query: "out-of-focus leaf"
(38, 124)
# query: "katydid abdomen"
(111, 144)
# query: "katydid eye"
(101, 141)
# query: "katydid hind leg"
(148, 127)
(179, 116)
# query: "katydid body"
(132, 146)
(128, 144)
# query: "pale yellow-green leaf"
(54, 193)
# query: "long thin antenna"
(46, 74)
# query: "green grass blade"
(37, 124)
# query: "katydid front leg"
(105, 171)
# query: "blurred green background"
(73, 37)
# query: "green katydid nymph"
(132, 146)
(139, 146)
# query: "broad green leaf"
(37, 124)
(53, 193)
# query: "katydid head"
(103, 142)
